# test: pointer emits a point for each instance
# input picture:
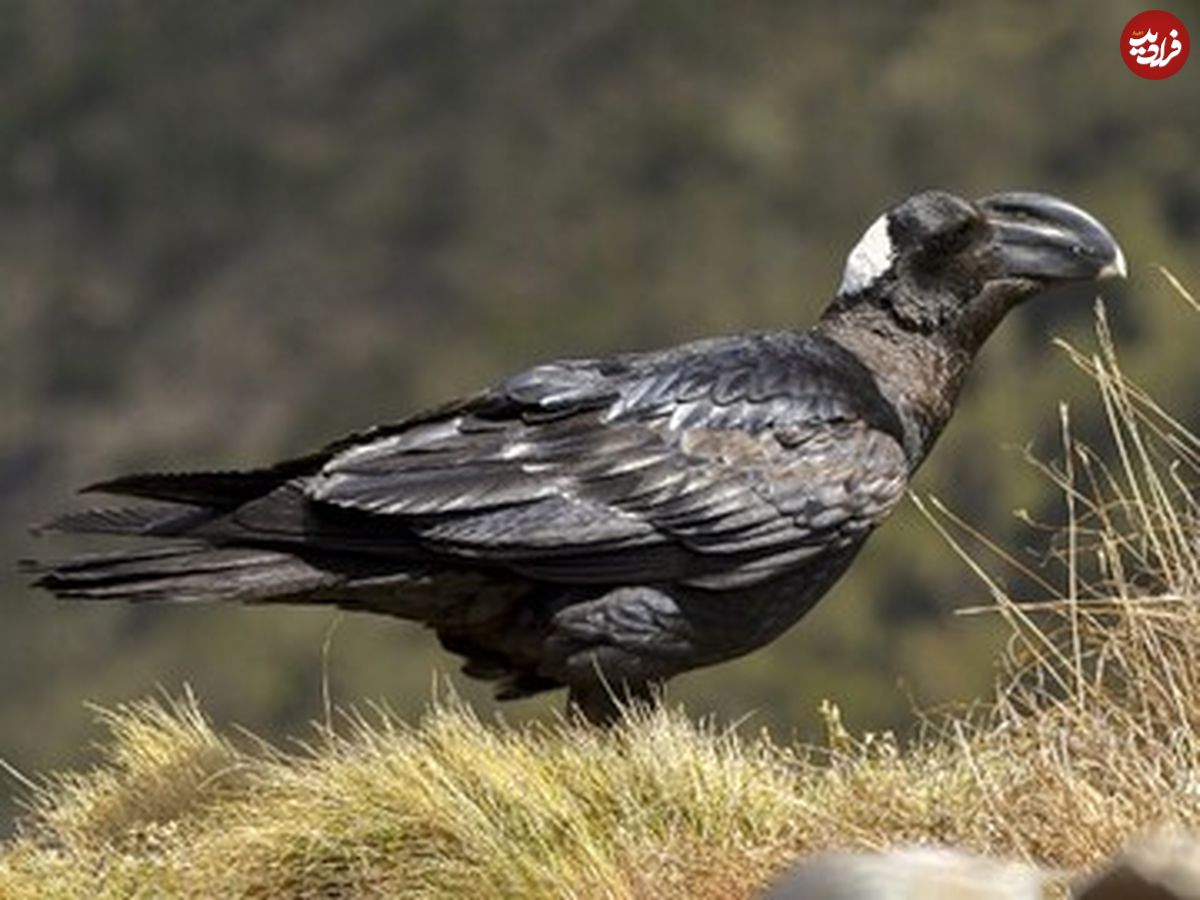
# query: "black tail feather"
(144, 521)
(219, 490)
(183, 572)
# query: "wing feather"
(757, 453)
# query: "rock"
(1165, 866)
(912, 873)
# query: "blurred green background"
(231, 231)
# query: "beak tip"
(1117, 267)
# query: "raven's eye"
(955, 236)
(951, 238)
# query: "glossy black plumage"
(604, 524)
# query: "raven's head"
(938, 263)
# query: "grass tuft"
(1093, 735)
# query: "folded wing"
(717, 464)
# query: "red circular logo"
(1154, 44)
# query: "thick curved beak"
(1041, 237)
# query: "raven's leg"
(603, 704)
(616, 649)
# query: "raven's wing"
(715, 464)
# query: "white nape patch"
(870, 258)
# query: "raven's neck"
(920, 375)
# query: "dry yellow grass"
(1092, 736)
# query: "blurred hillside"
(233, 231)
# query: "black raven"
(605, 524)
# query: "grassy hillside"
(1092, 734)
